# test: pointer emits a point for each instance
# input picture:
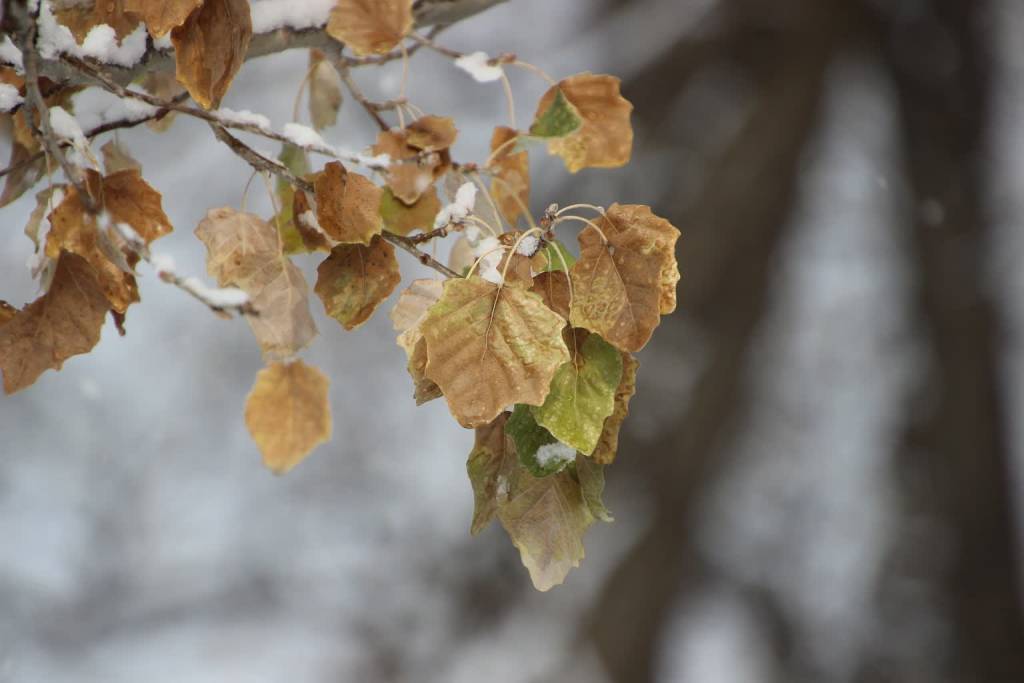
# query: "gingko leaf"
(490, 347)
(608, 442)
(619, 288)
(489, 465)
(546, 518)
(553, 288)
(582, 394)
(411, 308)
(605, 137)
(354, 280)
(161, 15)
(538, 450)
(347, 205)
(556, 256)
(324, 91)
(370, 26)
(401, 218)
(510, 182)
(288, 413)
(412, 171)
(64, 322)
(591, 477)
(245, 251)
(210, 47)
(556, 117)
(431, 133)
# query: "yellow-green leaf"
(591, 477)
(582, 394)
(489, 347)
(288, 413)
(538, 450)
(355, 279)
(558, 119)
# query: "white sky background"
(143, 540)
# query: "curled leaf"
(245, 251)
(620, 286)
(347, 205)
(603, 139)
(355, 279)
(370, 26)
(288, 413)
(608, 442)
(425, 389)
(64, 322)
(210, 47)
(489, 465)
(324, 91)
(490, 347)
(582, 393)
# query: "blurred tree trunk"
(956, 545)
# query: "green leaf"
(591, 478)
(553, 262)
(294, 158)
(529, 438)
(582, 394)
(558, 120)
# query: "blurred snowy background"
(820, 479)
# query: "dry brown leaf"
(605, 138)
(302, 217)
(401, 219)
(161, 15)
(164, 85)
(411, 172)
(25, 177)
(324, 91)
(288, 413)
(431, 133)
(210, 47)
(619, 288)
(492, 459)
(517, 268)
(117, 158)
(411, 308)
(82, 18)
(130, 199)
(370, 26)
(424, 388)
(347, 205)
(7, 312)
(608, 442)
(245, 251)
(510, 182)
(490, 347)
(355, 279)
(553, 288)
(64, 322)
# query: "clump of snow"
(136, 110)
(303, 136)
(554, 454)
(9, 97)
(100, 43)
(489, 252)
(10, 54)
(457, 211)
(163, 42)
(222, 297)
(243, 118)
(477, 65)
(528, 245)
(162, 263)
(66, 127)
(270, 15)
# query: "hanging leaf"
(604, 139)
(7, 312)
(431, 133)
(370, 26)
(424, 388)
(307, 225)
(210, 47)
(489, 465)
(324, 91)
(27, 175)
(294, 159)
(490, 347)
(117, 158)
(620, 287)
(539, 452)
(555, 256)
(354, 280)
(556, 117)
(245, 251)
(608, 443)
(347, 205)
(64, 322)
(161, 15)
(553, 288)
(80, 19)
(510, 182)
(582, 393)
(164, 85)
(546, 518)
(411, 308)
(412, 172)
(591, 477)
(288, 413)
(401, 218)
